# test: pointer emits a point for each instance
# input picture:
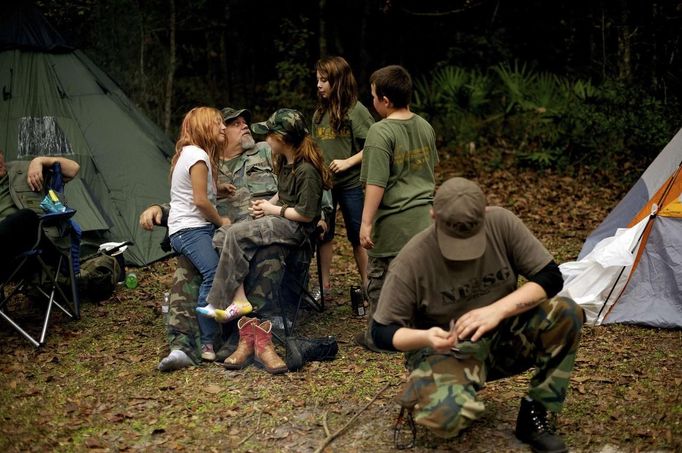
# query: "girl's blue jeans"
(197, 245)
(351, 201)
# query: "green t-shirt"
(347, 142)
(7, 206)
(300, 187)
(400, 156)
(251, 172)
(423, 290)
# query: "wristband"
(281, 211)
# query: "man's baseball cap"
(230, 114)
(284, 121)
(459, 206)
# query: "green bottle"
(131, 280)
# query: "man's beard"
(247, 141)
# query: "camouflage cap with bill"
(284, 121)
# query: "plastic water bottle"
(55, 199)
(165, 307)
(131, 280)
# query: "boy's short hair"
(395, 83)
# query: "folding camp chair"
(34, 271)
(42, 270)
(297, 265)
(300, 350)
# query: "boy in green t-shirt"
(398, 170)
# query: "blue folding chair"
(48, 265)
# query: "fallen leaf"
(92, 442)
(71, 407)
(280, 433)
(213, 389)
(115, 418)
(32, 391)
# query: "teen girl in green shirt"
(340, 126)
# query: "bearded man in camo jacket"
(246, 170)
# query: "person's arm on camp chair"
(37, 167)
(156, 214)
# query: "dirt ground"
(94, 386)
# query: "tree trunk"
(624, 43)
(225, 68)
(323, 28)
(364, 59)
(653, 54)
(142, 82)
(224, 71)
(603, 43)
(171, 71)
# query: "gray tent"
(55, 101)
(630, 267)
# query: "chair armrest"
(53, 218)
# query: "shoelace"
(401, 420)
(539, 419)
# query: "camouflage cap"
(230, 114)
(284, 121)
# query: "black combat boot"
(533, 428)
(303, 350)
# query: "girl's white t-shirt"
(183, 211)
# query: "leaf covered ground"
(94, 386)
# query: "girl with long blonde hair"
(193, 216)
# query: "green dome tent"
(55, 101)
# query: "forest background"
(553, 107)
(559, 84)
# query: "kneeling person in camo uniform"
(452, 303)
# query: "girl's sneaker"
(207, 311)
(237, 309)
(207, 352)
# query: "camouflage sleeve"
(267, 152)
(182, 328)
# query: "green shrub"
(547, 121)
(455, 101)
(615, 122)
(294, 85)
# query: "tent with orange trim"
(630, 268)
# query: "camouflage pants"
(239, 243)
(262, 285)
(442, 388)
(376, 274)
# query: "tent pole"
(652, 216)
(622, 269)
